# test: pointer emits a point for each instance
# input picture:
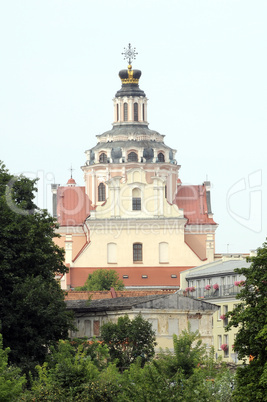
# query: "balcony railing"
(222, 291)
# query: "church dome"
(130, 134)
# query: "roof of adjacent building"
(216, 268)
(110, 294)
(159, 302)
(195, 202)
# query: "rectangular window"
(137, 204)
(219, 314)
(226, 342)
(225, 310)
(96, 328)
(137, 252)
(219, 342)
(87, 328)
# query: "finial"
(71, 170)
(129, 54)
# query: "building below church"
(168, 314)
(133, 214)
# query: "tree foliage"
(103, 279)
(188, 354)
(80, 371)
(32, 310)
(250, 315)
(75, 371)
(11, 380)
(129, 339)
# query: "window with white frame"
(219, 313)
(219, 342)
(226, 342)
(137, 252)
(101, 192)
(136, 199)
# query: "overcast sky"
(204, 69)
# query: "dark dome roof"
(124, 74)
(130, 90)
(130, 79)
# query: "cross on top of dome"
(129, 53)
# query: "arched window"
(132, 157)
(136, 199)
(135, 111)
(111, 253)
(117, 112)
(137, 252)
(101, 192)
(103, 158)
(125, 111)
(163, 253)
(161, 157)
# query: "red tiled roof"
(193, 200)
(73, 206)
(137, 276)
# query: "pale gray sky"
(203, 63)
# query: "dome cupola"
(130, 140)
(130, 80)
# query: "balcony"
(223, 291)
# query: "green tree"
(250, 315)
(103, 279)
(11, 381)
(188, 354)
(76, 370)
(129, 339)
(208, 382)
(32, 310)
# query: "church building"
(133, 214)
